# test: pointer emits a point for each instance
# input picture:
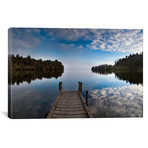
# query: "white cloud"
(118, 40)
(102, 46)
(121, 40)
(80, 47)
(24, 39)
(67, 45)
(70, 34)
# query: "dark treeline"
(135, 60)
(103, 69)
(131, 62)
(129, 68)
(26, 69)
(131, 77)
(20, 63)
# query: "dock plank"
(70, 116)
(70, 109)
(69, 104)
(65, 112)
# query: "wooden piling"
(87, 97)
(80, 87)
(60, 86)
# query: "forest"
(26, 69)
(132, 62)
(129, 69)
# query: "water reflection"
(109, 96)
(33, 100)
(102, 72)
(124, 101)
(27, 76)
(131, 77)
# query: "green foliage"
(26, 68)
(129, 68)
(28, 63)
(103, 69)
(131, 62)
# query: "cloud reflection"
(124, 101)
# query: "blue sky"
(76, 48)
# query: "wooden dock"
(70, 104)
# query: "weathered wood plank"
(70, 116)
(64, 101)
(69, 104)
(70, 109)
(53, 107)
(87, 110)
(65, 112)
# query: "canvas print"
(75, 73)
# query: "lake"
(110, 95)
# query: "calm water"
(109, 95)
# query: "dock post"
(80, 87)
(60, 86)
(87, 97)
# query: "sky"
(75, 48)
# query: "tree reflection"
(133, 77)
(102, 72)
(21, 69)
(18, 77)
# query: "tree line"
(129, 69)
(131, 62)
(26, 69)
(19, 63)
